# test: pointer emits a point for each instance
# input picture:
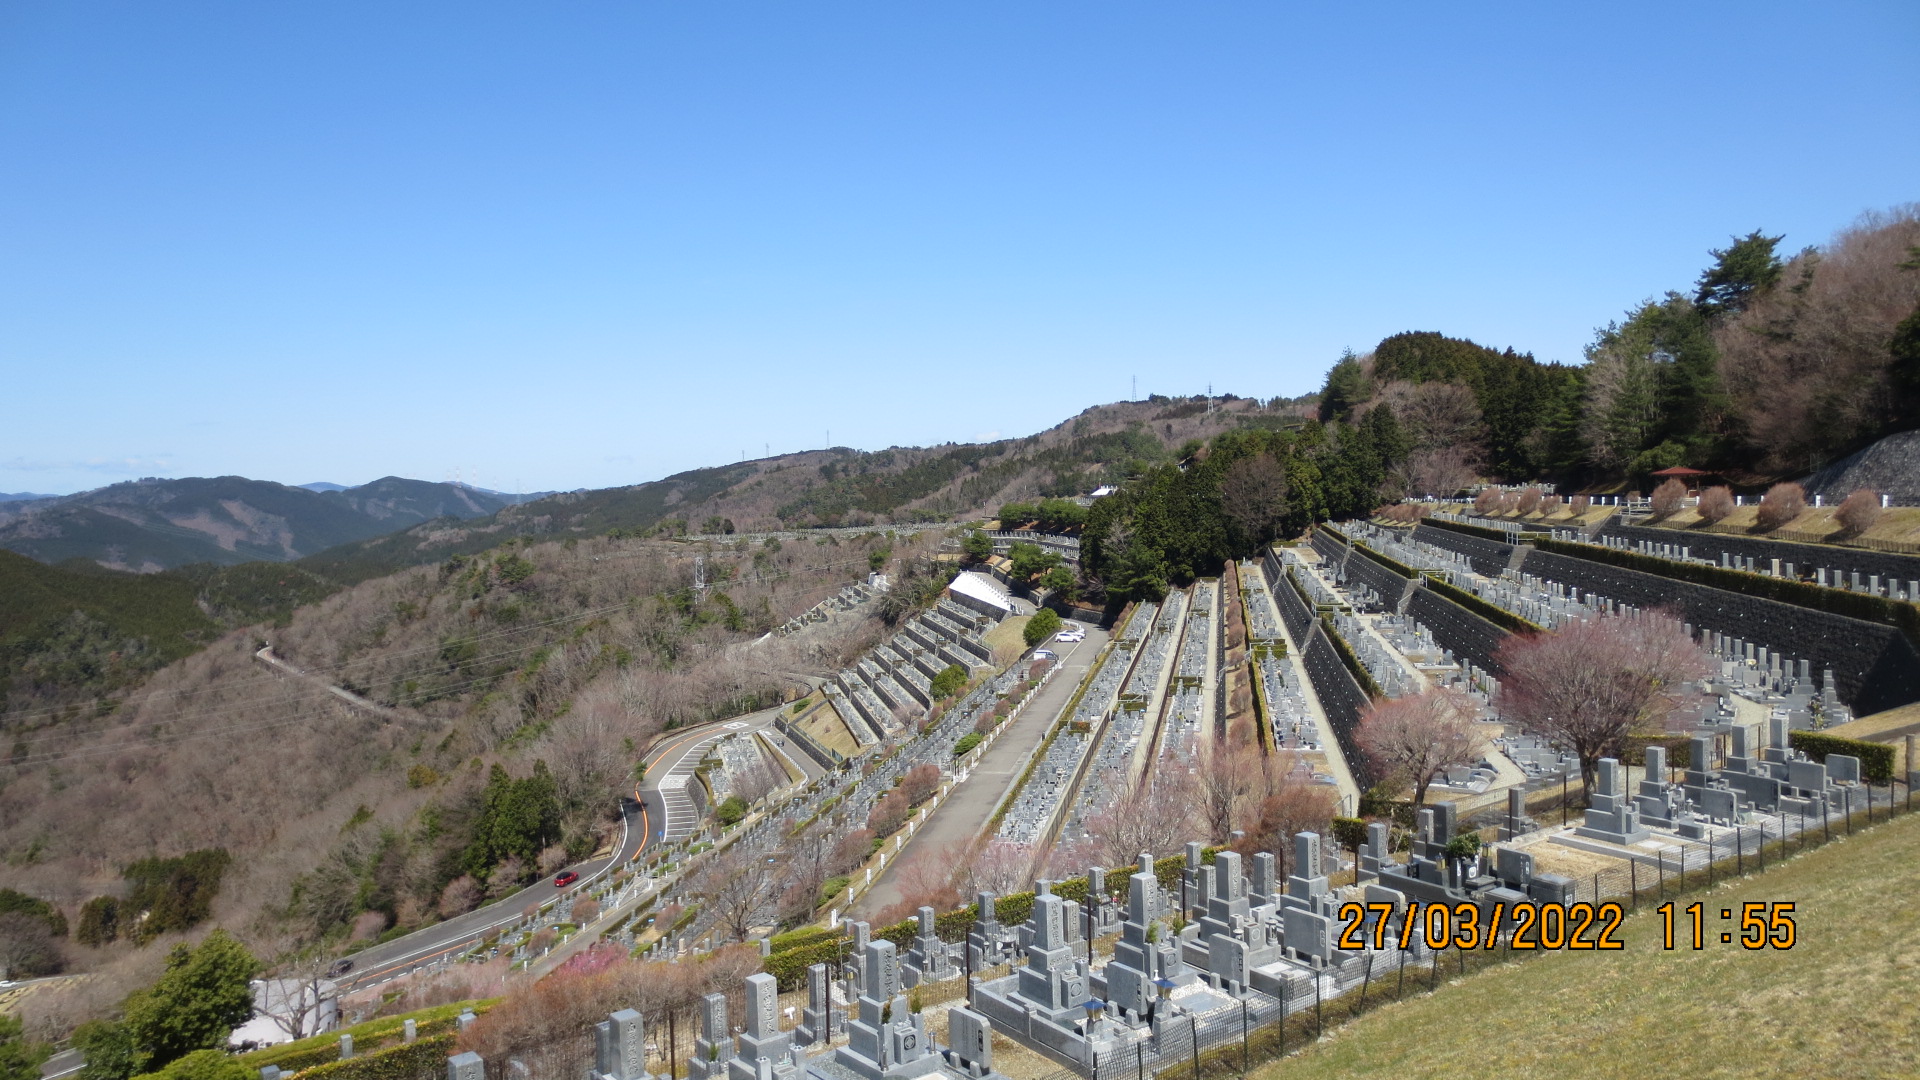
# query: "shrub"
(1715, 503)
(1549, 505)
(1782, 504)
(99, 921)
(1044, 624)
(1486, 500)
(731, 811)
(951, 680)
(1876, 759)
(1581, 504)
(1669, 495)
(1859, 512)
(1529, 500)
(967, 742)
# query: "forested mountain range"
(154, 524)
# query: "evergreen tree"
(203, 996)
(19, 1058)
(108, 1049)
(1747, 267)
(1347, 386)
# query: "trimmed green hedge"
(425, 1056)
(967, 742)
(1358, 670)
(822, 946)
(1498, 616)
(1876, 759)
(790, 967)
(1679, 750)
(1852, 605)
(323, 1048)
(794, 939)
(1392, 564)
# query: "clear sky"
(575, 245)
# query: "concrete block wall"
(1763, 551)
(1874, 664)
(1294, 612)
(1454, 627)
(1331, 545)
(1489, 557)
(866, 728)
(1340, 697)
(1393, 588)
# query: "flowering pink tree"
(1590, 684)
(1418, 737)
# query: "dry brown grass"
(1840, 1003)
(1817, 524)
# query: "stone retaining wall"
(1804, 557)
(1454, 627)
(1340, 698)
(1875, 666)
(1489, 557)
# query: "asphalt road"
(964, 815)
(393, 958)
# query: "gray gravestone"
(763, 995)
(971, 1037)
(467, 1066)
(628, 1060)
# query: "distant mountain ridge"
(22, 496)
(837, 486)
(155, 524)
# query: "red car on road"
(565, 879)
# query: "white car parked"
(1070, 635)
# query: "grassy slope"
(1840, 1003)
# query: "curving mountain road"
(660, 811)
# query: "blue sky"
(555, 246)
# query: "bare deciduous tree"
(1669, 495)
(1806, 364)
(1155, 814)
(1590, 684)
(461, 895)
(997, 865)
(738, 889)
(1229, 776)
(1782, 503)
(1418, 737)
(1859, 512)
(1715, 504)
(1442, 470)
(1254, 496)
(1294, 803)
(294, 995)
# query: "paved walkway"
(970, 805)
(1330, 754)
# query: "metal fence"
(1230, 1041)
